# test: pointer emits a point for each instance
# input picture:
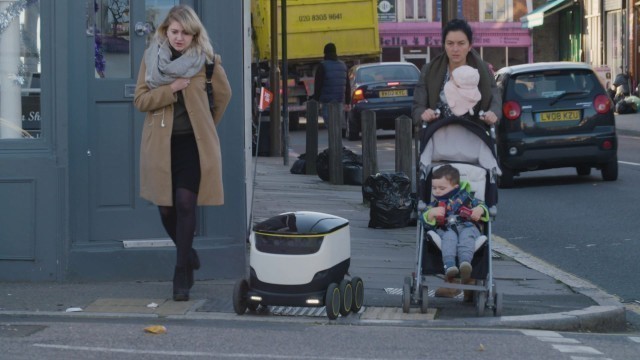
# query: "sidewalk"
(535, 294)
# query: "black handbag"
(209, 69)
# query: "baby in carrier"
(461, 90)
(455, 215)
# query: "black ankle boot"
(190, 279)
(194, 259)
(181, 284)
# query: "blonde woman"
(180, 157)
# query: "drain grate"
(393, 291)
(431, 293)
(298, 311)
(301, 311)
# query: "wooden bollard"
(336, 117)
(311, 155)
(369, 146)
(404, 146)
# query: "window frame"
(428, 4)
(508, 11)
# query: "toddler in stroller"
(454, 215)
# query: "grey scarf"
(161, 70)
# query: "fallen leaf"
(156, 329)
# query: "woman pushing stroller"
(455, 87)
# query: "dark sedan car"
(555, 114)
(386, 88)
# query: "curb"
(593, 318)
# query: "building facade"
(506, 32)
(410, 30)
(70, 137)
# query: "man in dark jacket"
(331, 81)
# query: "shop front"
(70, 139)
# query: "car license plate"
(559, 116)
(392, 93)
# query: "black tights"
(179, 221)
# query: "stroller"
(468, 146)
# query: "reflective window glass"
(111, 36)
(20, 67)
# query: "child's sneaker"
(465, 270)
(451, 272)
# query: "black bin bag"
(391, 203)
(351, 167)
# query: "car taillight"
(602, 104)
(511, 110)
(358, 96)
(393, 83)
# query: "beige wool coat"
(155, 147)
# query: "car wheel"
(353, 130)
(583, 170)
(610, 170)
(505, 180)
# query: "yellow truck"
(350, 24)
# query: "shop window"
(20, 68)
(496, 10)
(416, 9)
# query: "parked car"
(555, 114)
(386, 88)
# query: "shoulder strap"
(210, 67)
(209, 71)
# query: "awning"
(536, 17)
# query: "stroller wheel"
(332, 301)
(424, 304)
(497, 301)
(481, 302)
(346, 293)
(358, 294)
(497, 307)
(240, 291)
(406, 298)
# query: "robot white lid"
(302, 223)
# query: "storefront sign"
(479, 39)
(386, 10)
(409, 40)
(31, 121)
